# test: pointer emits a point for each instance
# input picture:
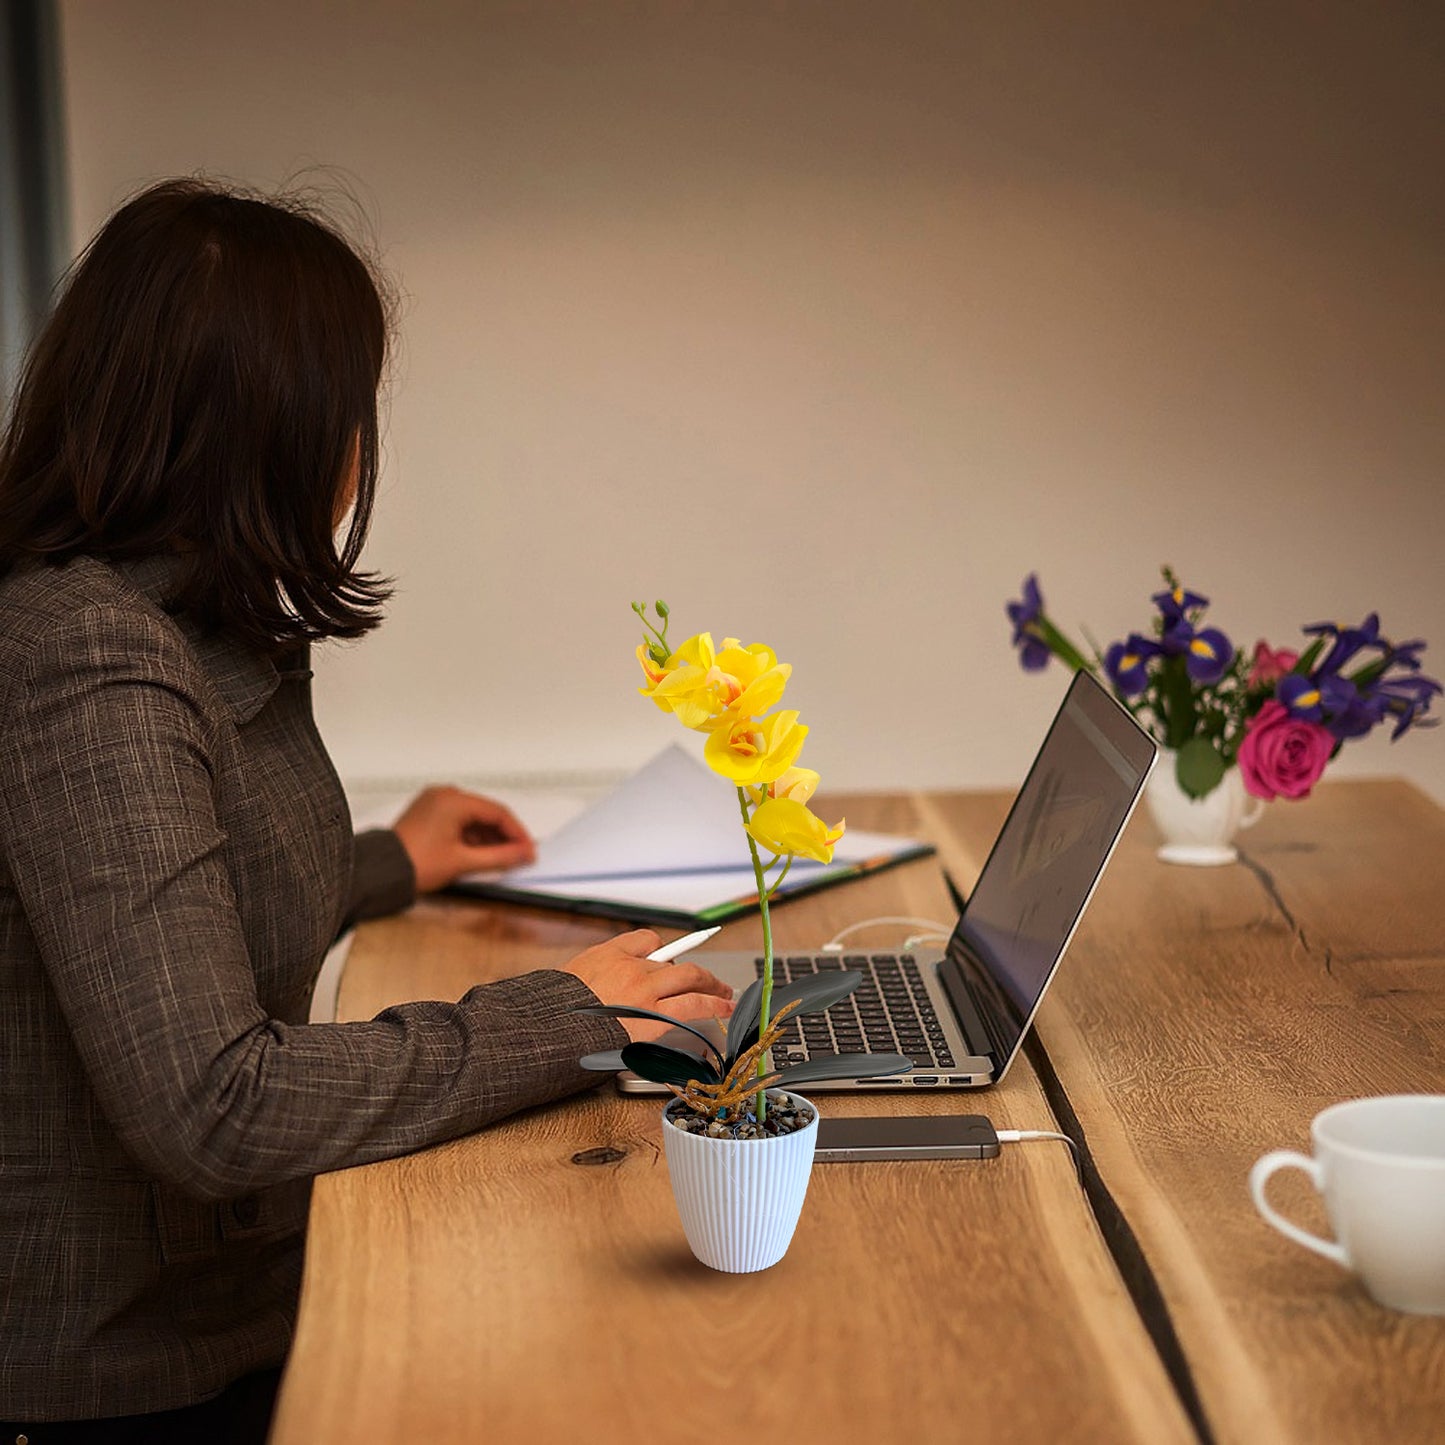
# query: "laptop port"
(877, 1080)
(958, 1078)
(923, 1083)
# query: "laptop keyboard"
(888, 1013)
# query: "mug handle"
(1253, 812)
(1259, 1178)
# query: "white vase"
(739, 1199)
(1198, 831)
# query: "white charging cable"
(1024, 1136)
(935, 930)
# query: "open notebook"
(667, 846)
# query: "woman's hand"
(620, 972)
(447, 832)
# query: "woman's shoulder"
(89, 616)
(41, 598)
(83, 606)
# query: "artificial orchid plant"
(731, 694)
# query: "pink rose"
(1280, 756)
(1269, 666)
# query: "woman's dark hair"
(204, 386)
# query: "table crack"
(1123, 1245)
(1271, 890)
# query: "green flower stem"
(1176, 699)
(1059, 645)
(761, 1107)
(640, 608)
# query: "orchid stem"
(760, 1109)
(660, 636)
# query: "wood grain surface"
(499, 1289)
(1202, 1018)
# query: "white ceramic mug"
(1380, 1166)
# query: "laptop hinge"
(976, 1031)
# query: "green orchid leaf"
(604, 1063)
(818, 991)
(743, 1025)
(1199, 767)
(815, 992)
(620, 1011)
(668, 1066)
(845, 1066)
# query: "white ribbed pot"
(739, 1199)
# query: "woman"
(194, 424)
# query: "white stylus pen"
(685, 944)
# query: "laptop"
(961, 1013)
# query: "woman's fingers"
(691, 1008)
(489, 821)
(473, 859)
(639, 942)
(448, 832)
(620, 972)
(673, 979)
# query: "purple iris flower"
(1407, 655)
(1347, 641)
(1176, 636)
(1301, 697)
(1127, 663)
(1350, 713)
(1177, 601)
(1209, 655)
(1033, 650)
(1408, 698)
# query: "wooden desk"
(499, 1288)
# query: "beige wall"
(828, 322)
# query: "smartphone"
(905, 1136)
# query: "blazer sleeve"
(110, 837)
(382, 877)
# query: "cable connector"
(1024, 1136)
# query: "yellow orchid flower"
(784, 825)
(751, 677)
(698, 683)
(682, 685)
(799, 784)
(750, 750)
(653, 673)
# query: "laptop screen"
(1048, 858)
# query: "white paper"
(673, 814)
(669, 836)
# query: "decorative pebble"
(784, 1117)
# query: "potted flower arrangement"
(738, 1142)
(1236, 729)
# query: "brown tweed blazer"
(175, 858)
